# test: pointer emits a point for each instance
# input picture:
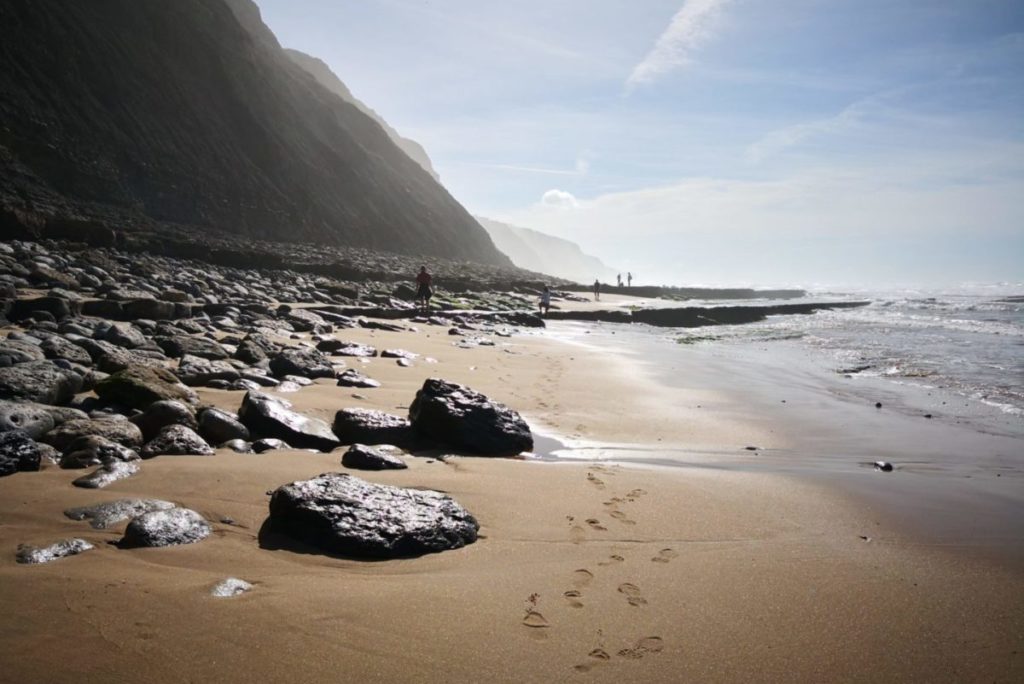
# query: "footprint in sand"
(632, 594)
(665, 555)
(621, 517)
(612, 560)
(535, 620)
(646, 646)
(635, 494)
(581, 578)
(598, 655)
(596, 525)
(595, 480)
(577, 534)
(573, 597)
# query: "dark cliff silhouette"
(189, 113)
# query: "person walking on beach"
(545, 301)
(423, 291)
(597, 290)
(619, 277)
(629, 279)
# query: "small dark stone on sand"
(883, 466)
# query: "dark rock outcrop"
(90, 450)
(362, 457)
(140, 386)
(353, 378)
(458, 416)
(118, 430)
(345, 515)
(301, 361)
(217, 426)
(267, 416)
(32, 419)
(176, 440)
(366, 426)
(39, 381)
(18, 452)
(170, 527)
(160, 414)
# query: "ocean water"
(968, 341)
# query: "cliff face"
(536, 251)
(328, 79)
(190, 113)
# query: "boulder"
(197, 372)
(18, 452)
(366, 426)
(362, 457)
(117, 430)
(268, 416)
(397, 354)
(90, 450)
(217, 426)
(125, 336)
(179, 346)
(151, 309)
(255, 348)
(107, 474)
(342, 348)
(56, 347)
(160, 414)
(176, 440)
(32, 419)
(239, 446)
(309, 363)
(458, 416)
(353, 378)
(170, 527)
(345, 515)
(140, 386)
(103, 515)
(39, 381)
(16, 351)
(269, 444)
(35, 555)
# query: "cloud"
(692, 26)
(559, 199)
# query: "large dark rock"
(345, 515)
(103, 515)
(35, 555)
(118, 430)
(16, 351)
(255, 348)
(362, 457)
(353, 378)
(39, 381)
(217, 426)
(91, 450)
(107, 474)
(151, 309)
(267, 416)
(308, 363)
(160, 414)
(176, 440)
(366, 426)
(126, 336)
(32, 419)
(57, 307)
(456, 415)
(170, 527)
(198, 372)
(342, 348)
(56, 347)
(202, 347)
(140, 386)
(18, 452)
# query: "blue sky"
(711, 141)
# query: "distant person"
(597, 290)
(545, 301)
(619, 279)
(629, 279)
(423, 291)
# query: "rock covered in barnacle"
(232, 586)
(34, 555)
(169, 527)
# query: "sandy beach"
(584, 571)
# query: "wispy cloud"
(692, 26)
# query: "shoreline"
(635, 573)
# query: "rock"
(465, 419)
(353, 378)
(308, 363)
(177, 347)
(217, 426)
(39, 381)
(345, 515)
(160, 414)
(170, 527)
(32, 419)
(366, 426)
(341, 348)
(114, 429)
(269, 444)
(18, 452)
(20, 352)
(151, 309)
(364, 457)
(56, 347)
(33, 555)
(397, 354)
(267, 416)
(196, 372)
(102, 516)
(230, 587)
(404, 363)
(90, 450)
(126, 336)
(255, 348)
(107, 474)
(239, 446)
(884, 466)
(140, 386)
(176, 440)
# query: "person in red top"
(423, 292)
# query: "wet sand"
(583, 572)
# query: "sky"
(711, 142)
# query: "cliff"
(543, 253)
